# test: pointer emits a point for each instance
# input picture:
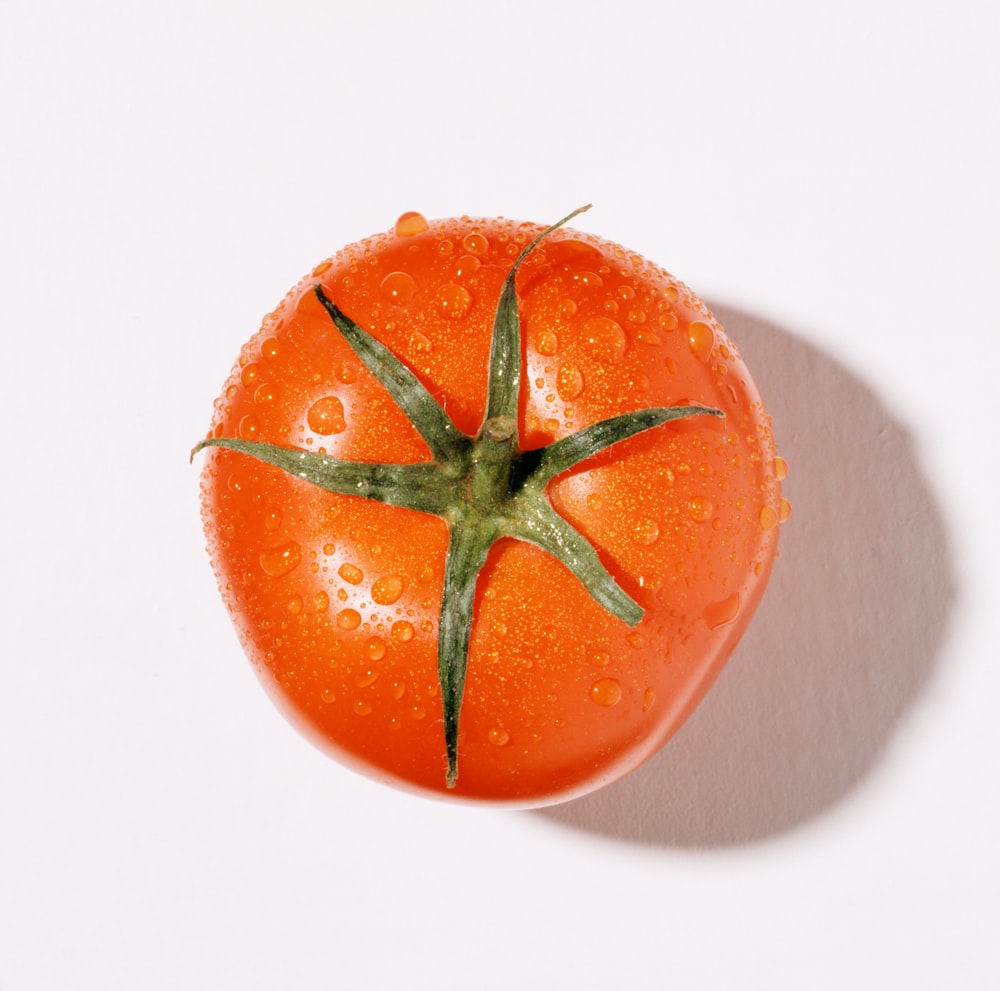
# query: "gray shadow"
(842, 645)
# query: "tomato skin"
(336, 599)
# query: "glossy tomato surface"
(337, 599)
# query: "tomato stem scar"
(484, 486)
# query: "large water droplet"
(278, 561)
(701, 339)
(453, 301)
(722, 612)
(398, 287)
(768, 517)
(387, 589)
(326, 416)
(700, 509)
(604, 339)
(780, 468)
(547, 343)
(348, 619)
(351, 573)
(402, 631)
(475, 244)
(606, 692)
(370, 675)
(411, 223)
(647, 531)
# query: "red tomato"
(476, 606)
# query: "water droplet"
(348, 619)
(398, 287)
(418, 712)
(411, 223)
(606, 692)
(600, 658)
(453, 300)
(605, 339)
(701, 338)
(402, 631)
(648, 698)
(321, 602)
(387, 589)
(445, 247)
(466, 265)
(269, 348)
(328, 695)
(569, 382)
(398, 689)
(567, 306)
(768, 517)
(720, 613)
(475, 244)
(326, 416)
(250, 374)
(784, 510)
(272, 519)
(351, 574)
(361, 708)
(594, 502)
(647, 531)
(589, 280)
(278, 561)
(295, 605)
(499, 737)
(370, 675)
(700, 509)
(321, 268)
(780, 468)
(547, 343)
(375, 650)
(249, 427)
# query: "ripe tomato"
(459, 554)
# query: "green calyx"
(484, 487)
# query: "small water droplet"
(768, 517)
(648, 698)
(269, 348)
(780, 468)
(370, 675)
(418, 712)
(295, 605)
(328, 695)
(398, 287)
(250, 374)
(600, 658)
(272, 519)
(278, 561)
(326, 416)
(667, 320)
(387, 589)
(569, 382)
(453, 301)
(351, 574)
(411, 223)
(322, 267)
(398, 690)
(594, 502)
(348, 619)
(606, 692)
(321, 602)
(547, 343)
(402, 631)
(589, 280)
(647, 531)
(567, 306)
(361, 708)
(701, 339)
(499, 737)
(784, 510)
(700, 509)
(722, 612)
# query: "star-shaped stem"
(484, 487)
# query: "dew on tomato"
(561, 692)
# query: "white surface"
(824, 174)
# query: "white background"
(824, 174)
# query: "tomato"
(490, 505)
